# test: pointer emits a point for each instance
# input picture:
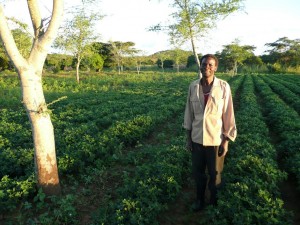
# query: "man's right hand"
(189, 141)
(188, 146)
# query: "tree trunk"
(196, 57)
(77, 70)
(192, 38)
(42, 131)
(235, 68)
(30, 73)
(119, 68)
(138, 68)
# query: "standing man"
(210, 124)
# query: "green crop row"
(283, 121)
(100, 130)
(285, 94)
(251, 194)
(118, 120)
(290, 82)
(291, 78)
(157, 178)
(132, 111)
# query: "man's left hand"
(224, 145)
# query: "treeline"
(282, 57)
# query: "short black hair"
(210, 56)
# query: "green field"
(121, 151)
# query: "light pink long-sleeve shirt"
(209, 123)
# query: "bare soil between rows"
(291, 197)
(179, 212)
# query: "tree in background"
(78, 33)
(23, 41)
(94, 62)
(22, 37)
(4, 60)
(180, 57)
(30, 69)
(162, 56)
(104, 50)
(254, 64)
(233, 55)
(138, 60)
(191, 62)
(119, 50)
(193, 19)
(57, 62)
(284, 53)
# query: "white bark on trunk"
(235, 68)
(42, 132)
(30, 73)
(196, 57)
(77, 70)
(119, 68)
(138, 68)
(192, 37)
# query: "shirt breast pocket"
(217, 106)
(197, 107)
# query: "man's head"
(210, 56)
(208, 65)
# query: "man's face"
(208, 67)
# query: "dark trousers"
(205, 157)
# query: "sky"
(261, 22)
